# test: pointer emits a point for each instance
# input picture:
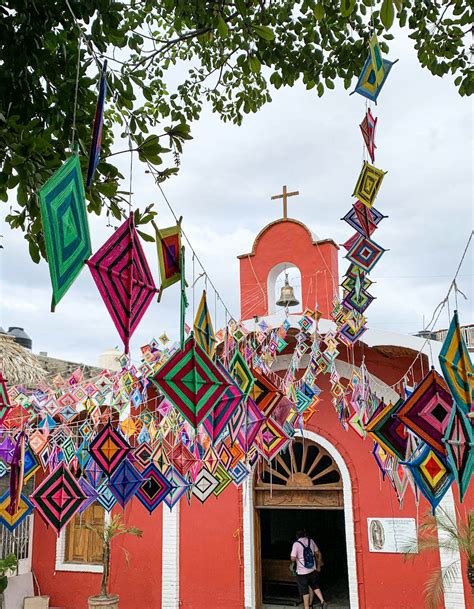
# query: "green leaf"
(399, 4)
(17, 159)
(264, 32)
(146, 237)
(320, 89)
(115, 210)
(149, 149)
(150, 143)
(403, 19)
(153, 159)
(22, 195)
(255, 64)
(107, 189)
(347, 6)
(36, 225)
(387, 14)
(222, 27)
(318, 11)
(181, 131)
(147, 218)
(275, 79)
(241, 7)
(13, 181)
(34, 251)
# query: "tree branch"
(184, 37)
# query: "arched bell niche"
(276, 280)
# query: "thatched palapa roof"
(18, 365)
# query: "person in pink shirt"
(306, 560)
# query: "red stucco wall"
(211, 553)
(69, 590)
(138, 584)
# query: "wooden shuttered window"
(83, 545)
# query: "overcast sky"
(228, 173)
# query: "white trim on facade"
(371, 338)
(454, 591)
(381, 389)
(24, 566)
(249, 552)
(248, 513)
(170, 559)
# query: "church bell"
(287, 295)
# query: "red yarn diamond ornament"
(109, 449)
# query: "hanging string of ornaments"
(193, 417)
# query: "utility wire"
(438, 310)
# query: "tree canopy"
(223, 52)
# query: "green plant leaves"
(347, 6)
(150, 149)
(33, 249)
(387, 13)
(255, 64)
(241, 7)
(263, 31)
(222, 27)
(319, 11)
(180, 131)
(146, 237)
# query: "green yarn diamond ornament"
(65, 226)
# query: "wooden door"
(83, 545)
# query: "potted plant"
(7, 564)
(445, 531)
(109, 531)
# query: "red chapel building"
(232, 552)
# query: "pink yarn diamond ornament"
(123, 278)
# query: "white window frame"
(63, 565)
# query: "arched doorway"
(302, 487)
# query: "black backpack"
(308, 555)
